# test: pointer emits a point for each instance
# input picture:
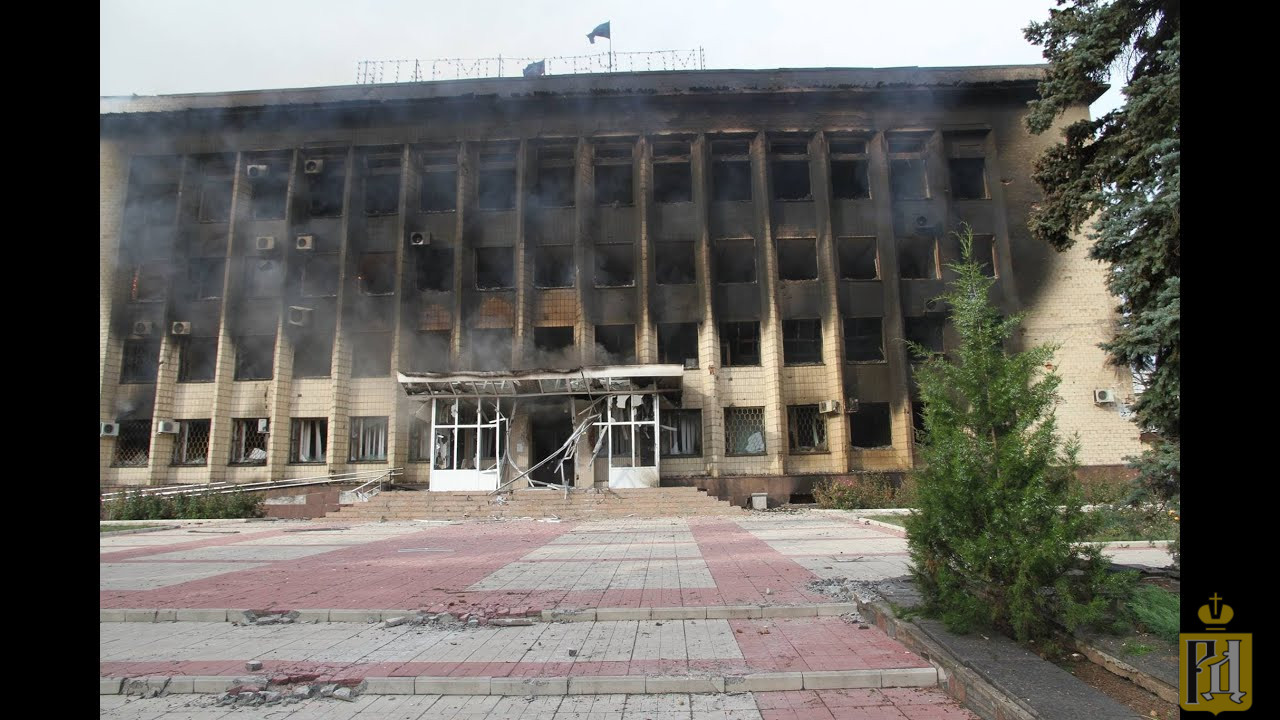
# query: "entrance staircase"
(584, 504)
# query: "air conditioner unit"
(306, 242)
(313, 167)
(264, 425)
(180, 328)
(108, 429)
(257, 171)
(167, 426)
(851, 405)
(691, 363)
(934, 305)
(265, 243)
(828, 406)
(1101, 397)
(299, 315)
(142, 327)
(418, 238)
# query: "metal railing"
(365, 477)
(372, 72)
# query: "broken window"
(553, 266)
(966, 163)
(863, 340)
(731, 170)
(467, 435)
(197, 359)
(308, 438)
(797, 258)
(984, 253)
(678, 343)
(614, 174)
(806, 430)
(370, 354)
(249, 441)
(148, 283)
(744, 431)
(917, 258)
(313, 355)
(869, 425)
(205, 276)
(490, 349)
(326, 189)
(735, 260)
(789, 165)
(156, 203)
(382, 185)
(674, 263)
(268, 193)
(858, 259)
(368, 439)
(419, 440)
(430, 351)
(615, 265)
(254, 354)
(926, 331)
(141, 361)
(495, 268)
(681, 433)
(133, 444)
(215, 198)
(553, 339)
(320, 275)
(377, 273)
(554, 185)
(191, 444)
(497, 181)
(438, 191)
(263, 277)
(740, 343)
(672, 172)
(801, 342)
(615, 344)
(434, 268)
(907, 177)
(849, 169)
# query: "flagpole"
(610, 49)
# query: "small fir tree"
(996, 538)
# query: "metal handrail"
(225, 487)
(363, 495)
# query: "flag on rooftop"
(602, 30)
(537, 69)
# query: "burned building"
(699, 277)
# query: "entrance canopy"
(588, 381)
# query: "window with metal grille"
(133, 444)
(248, 444)
(678, 343)
(191, 444)
(205, 276)
(320, 275)
(615, 265)
(731, 170)
(254, 354)
(439, 182)
(141, 361)
(735, 260)
(674, 263)
(740, 343)
(148, 283)
(869, 426)
(917, 258)
(681, 433)
(370, 354)
(615, 344)
(613, 171)
(797, 258)
(434, 268)
(863, 340)
(495, 268)
(849, 169)
(419, 440)
(313, 354)
(858, 260)
(263, 277)
(672, 172)
(744, 431)
(553, 186)
(377, 273)
(806, 429)
(802, 342)
(553, 266)
(308, 440)
(368, 439)
(197, 359)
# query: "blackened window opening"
(370, 354)
(254, 355)
(797, 258)
(554, 186)
(735, 261)
(917, 259)
(802, 342)
(320, 275)
(490, 349)
(615, 265)
(206, 276)
(678, 343)
(672, 172)
(377, 273)
(382, 185)
(553, 266)
(439, 190)
(497, 177)
(495, 268)
(325, 190)
(141, 361)
(215, 199)
(197, 359)
(553, 340)
(313, 355)
(789, 168)
(674, 263)
(863, 340)
(858, 258)
(433, 266)
(268, 194)
(616, 344)
(740, 343)
(731, 170)
(927, 331)
(430, 351)
(869, 427)
(264, 277)
(149, 283)
(968, 179)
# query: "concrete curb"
(1116, 666)
(118, 533)
(578, 685)
(368, 616)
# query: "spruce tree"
(996, 537)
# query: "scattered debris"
(317, 529)
(216, 532)
(253, 665)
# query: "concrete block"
(684, 684)
(389, 685)
(606, 684)
(909, 677)
(568, 615)
(451, 685)
(789, 612)
(210, 683)
(529, 686)
(837, 609)
(181, 684)
(841, 679)
(679, 613)
(166, 615)
(611, 614)
(312, 615)
(112, 615)
(202, 615)
(139, 615)
(354, 616)
(764, 682)
(111, 686)
(734, 612)
(390, 614)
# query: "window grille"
(133, 445)
(744, 431)
(807, 429)
(191, 446)
(248, 446)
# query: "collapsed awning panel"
(610, 380)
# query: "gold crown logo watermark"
(1215, 615)
(1216, 666)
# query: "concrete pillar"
(646, 331)
(829, 281)
(771, 360)
(713, 441)
(220, 425)
(340, 369)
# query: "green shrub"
(1156, 611)
(864, 490)
(136, 506)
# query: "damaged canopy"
(588, 381)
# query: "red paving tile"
(747, 570)
(181, 545)
(825, 643)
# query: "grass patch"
(118, 528)
(1109, 523)
(1136, 649)
(1156, 611)
(899, 520)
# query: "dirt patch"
(1141, 701)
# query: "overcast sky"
(151, 47)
